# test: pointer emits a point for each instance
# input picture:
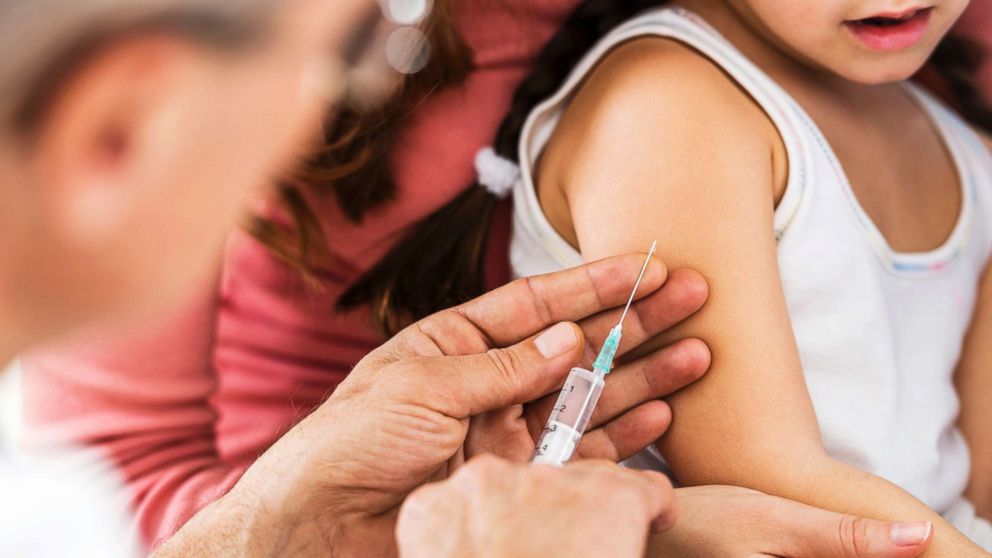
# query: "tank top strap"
(973, 161)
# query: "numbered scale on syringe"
(570, 417)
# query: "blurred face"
(147, 160)
(864, 41)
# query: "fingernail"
(910, 534)
(556, 341)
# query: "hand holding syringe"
(577, 400)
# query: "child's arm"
(974, 383)
(659, 145)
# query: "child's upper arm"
(660, 145)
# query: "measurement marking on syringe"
(564, 429)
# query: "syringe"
(578, 397)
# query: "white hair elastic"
(497, 174)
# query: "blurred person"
(125, 157)
(125, 151)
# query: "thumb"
(474, 384)
(827, 534)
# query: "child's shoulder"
(662, 99)
(661, 85)
(664, 74)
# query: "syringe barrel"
(569, 418)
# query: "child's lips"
(889, 32)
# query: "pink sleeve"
(142, 399)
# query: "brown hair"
(440, 261)
(353, 163)
(957, 61)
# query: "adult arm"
(392, 427)
(403, 416)
(140, 399)
(660, 145)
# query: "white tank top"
(879, 331)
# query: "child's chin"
(886, 71)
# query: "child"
(840, 214)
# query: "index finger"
(518, 310)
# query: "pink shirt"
(185, 407)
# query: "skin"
(109, 172)
(974, 382)
(706, 188)
(335, 495)
(496, 500)
(337, 498)
(769, 527)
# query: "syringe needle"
(654, 246)
(578, 397)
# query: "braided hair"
(441, 261)
(957, 61)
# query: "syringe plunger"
(579, 395)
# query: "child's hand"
(494, 508)
(727, 522)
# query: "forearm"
(277, 508)
(848, 490)
(236, 526)
(271, 511)
(828, 484)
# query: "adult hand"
(591, 509)
(728, 522)
(494, 508)
(630, 413)
(334, 483)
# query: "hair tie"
(497, 174)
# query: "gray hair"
(41, 40)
